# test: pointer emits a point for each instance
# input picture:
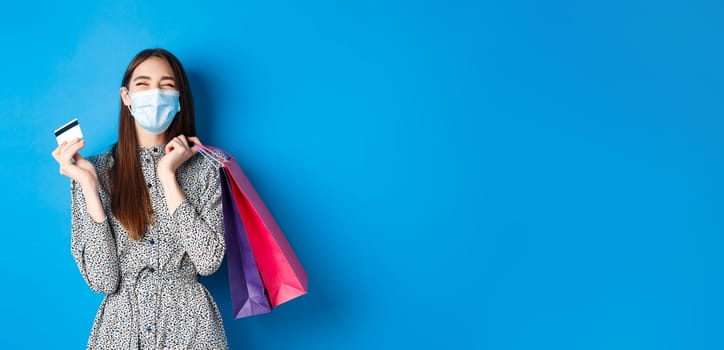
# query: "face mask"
(154, 109)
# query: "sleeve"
(93, 245)
(201, 227)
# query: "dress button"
(147, 160)
(150, 241)
(149, 185)
(155, 150)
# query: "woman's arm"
(92, 243)
(201, 227)
(93, 203)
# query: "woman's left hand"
(178, 151)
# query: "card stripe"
(66, 127)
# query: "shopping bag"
(281, 272)
(248, 295)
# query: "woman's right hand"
(73, 165)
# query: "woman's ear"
(124, 96)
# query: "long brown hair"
(130, 201)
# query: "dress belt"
(130, 279)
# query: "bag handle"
(209, 155)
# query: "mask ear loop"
(129, 96)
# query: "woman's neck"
(146, 139)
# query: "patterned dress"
(153, 297)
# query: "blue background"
(479, 175)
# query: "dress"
(153, 297)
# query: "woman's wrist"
(89, 185)
(167, 177)
(91, 192)
(172, 191)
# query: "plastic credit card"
(68, 132)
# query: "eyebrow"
(149, 78)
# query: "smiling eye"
(140, 83)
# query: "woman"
(146, 217)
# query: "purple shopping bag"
(248, 296)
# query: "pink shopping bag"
(281, 272)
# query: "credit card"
(68, 132)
